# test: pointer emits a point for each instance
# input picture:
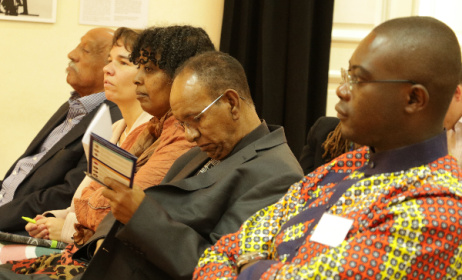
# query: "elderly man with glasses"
(390, 210)
(240, 165)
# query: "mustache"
(73, 66)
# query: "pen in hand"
(30, 220)
(54, 243)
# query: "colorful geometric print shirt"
(406, 207)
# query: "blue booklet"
(108, 160)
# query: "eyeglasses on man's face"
(208, 106)
(197, 117)
(348, 81)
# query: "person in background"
(388, 210)
(324, 142)
(47, 175)
(453, 124)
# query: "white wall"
(354, 19)
(33, 56)
(33, 59)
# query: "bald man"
(46, 176)
(388, 211)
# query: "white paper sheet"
(100, 125)
(128, 13)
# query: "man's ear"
(458, 93)
(417, 99)
(233, 99)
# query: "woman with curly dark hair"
(159, 52)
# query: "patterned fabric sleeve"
(255, 234)
(406, 226)
(222, 257)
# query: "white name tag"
(331, 230)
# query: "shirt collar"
(458, 124)
(460, 120)
(407, 157)
(255, 134)
(89, 102)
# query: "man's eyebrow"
(361, 69)
(188, 115)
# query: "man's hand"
(46, 228)
(247, 265)
(123, 200)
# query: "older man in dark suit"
(50, 170)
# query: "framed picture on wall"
(28, 10)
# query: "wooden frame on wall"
(29, 10)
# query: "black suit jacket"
(187, 213)
(53, 180)
(311, 156)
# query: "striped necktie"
(211, 163)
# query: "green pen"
(30, 220)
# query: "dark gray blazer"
(53, 180)
(187, 213)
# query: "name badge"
(331, 230)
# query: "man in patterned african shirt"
(390, 210)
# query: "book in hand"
(21, 239)
(107, 160)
